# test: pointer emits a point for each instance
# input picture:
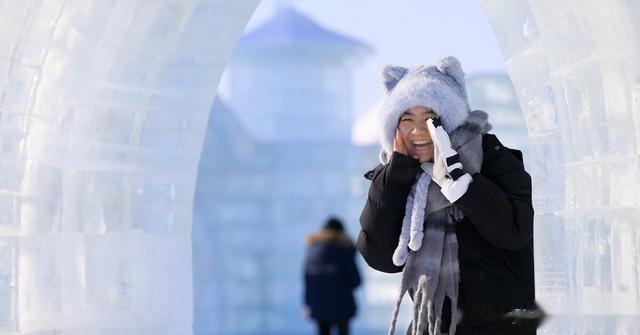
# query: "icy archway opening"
(103, 111)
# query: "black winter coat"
(331, 275)
(495, 238)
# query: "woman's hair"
(334, 224)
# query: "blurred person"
(330, 277)
(450, 207)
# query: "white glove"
(447, 169)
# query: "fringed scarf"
(431, 270)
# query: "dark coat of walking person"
(450, 207)
(330, 277)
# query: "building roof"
(290, 27)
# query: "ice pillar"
(103, 108)
(575, 67)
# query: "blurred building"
(277, 161)
(494, 94)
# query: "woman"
(331, 275)
(450, 206)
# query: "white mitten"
(447, 168)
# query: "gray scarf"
(432, 271)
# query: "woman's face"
(414, 132)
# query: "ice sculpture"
(575, 69)
(102, 116)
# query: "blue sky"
(402, 32)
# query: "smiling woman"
(450, 207)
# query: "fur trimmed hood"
(329, 236)
(440, 87)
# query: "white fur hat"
(441, 88)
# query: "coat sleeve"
(381, 218)
(498, 202)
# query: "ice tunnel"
(103, 111)
(102, 116)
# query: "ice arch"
(575, 67)
(103, 106)
(102, 113)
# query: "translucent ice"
(575, 70)
(103, 112)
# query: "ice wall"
(575, 67)
(103, 108)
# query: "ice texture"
(103, 109)
(575, 68)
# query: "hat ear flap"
(451, 66)
(391, 75)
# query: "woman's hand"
(399, 146)
(447, 169)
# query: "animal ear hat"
(440, 87)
